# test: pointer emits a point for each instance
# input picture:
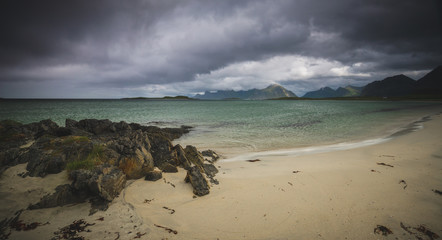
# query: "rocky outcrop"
(198, 181)
(99, 156)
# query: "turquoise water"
(234, 127)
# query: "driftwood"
(253, 160)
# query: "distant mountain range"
(327, 92)
(272, 91)
(395, 86)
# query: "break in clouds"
(112, 49)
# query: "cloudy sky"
(151, 48)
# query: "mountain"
(327, 92)
(272, 91)
(399, 85)
(430, 84)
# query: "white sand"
(336, 195)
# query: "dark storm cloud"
(137, 44)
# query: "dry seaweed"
(167, 229)
(20, 226)
(253, 160)
(406, 228)
(427, 232)
(384, 164)
(420, 231)
(405, 183)
(296, 171)
(148, 200)
(382, 230)
(437, 191)
(118, 236)
(139, 235)
(71, 231)
(167, 182)
(172, 211)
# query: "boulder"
(137, 165)
(181, 157)
(110, 183)
(96, 127)
(154, 175)
(169, 168)
(64, 194)
(193, 155)
(105, 182)
(198, 181)
(209, 153)
(210, 170)
(161, 149)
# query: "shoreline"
(331, 195)
(315, 149)
(328, 195)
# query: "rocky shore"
(99, 156)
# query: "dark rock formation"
(198, 181)
(182, 160)
(64, 194)
(169, 168)
(99, 156)
(154, 175)
(210, 170)
(210, 153)
(193, 155)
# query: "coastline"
(331, 195)
(334, 195)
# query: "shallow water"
(235, 127)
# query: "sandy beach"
(342, 194)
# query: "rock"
(137, 165)
(111, 183)
(193, 155)
(64, 194)
(198, 181)
(69, 123)
(41, 128)
(161, 149)
(104, 182)
(169, 168)
(154, 175)
(50, 155)
(96, 127)
(211, 154)
(210, 170)
(181, 157)
(63, 131)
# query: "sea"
(245, 129)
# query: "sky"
(154, 48)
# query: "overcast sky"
(151, 48)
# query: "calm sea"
(237, 127)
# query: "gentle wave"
(329, 148)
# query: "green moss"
(95, 157)
(76, 139)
